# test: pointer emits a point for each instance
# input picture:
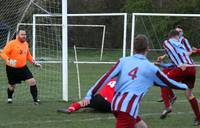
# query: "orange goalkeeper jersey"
(17, 51)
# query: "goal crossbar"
(86, 14)
(60, 25)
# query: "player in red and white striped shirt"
(182, 71)
(169, 94)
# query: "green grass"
(23, 114)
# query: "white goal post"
(65, 94)
(65, 45)
(153, 14)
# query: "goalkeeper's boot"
(165, 113)
(196, 122)
(9, 101)
(36, 102)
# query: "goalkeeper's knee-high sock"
(10, 93)
(74, 107)
(195, 107)
(34, 92)
(165, 97)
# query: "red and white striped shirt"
(177, 52)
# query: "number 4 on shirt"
(133, 73)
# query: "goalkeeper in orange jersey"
(16, 53)
(101, 100)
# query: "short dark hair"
(141, 43)
(173, 33)
(179, 26)
(18, 31)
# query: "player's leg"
(167, 104)
(190, 81)
(177, 75)
(172, 96)
(124, 120)
(167, 93)
(99, 103)
(165, 98)
(194, 104)
(10, 91)
(140, 123)
(27, 76)
(72, 108)
(13, 79)
(33, 89)
(75, 106)
(168, 97)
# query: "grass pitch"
(23, 114)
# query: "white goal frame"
(153, 14)
(69, 25)
(85, 15)
(65, 38)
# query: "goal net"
(156, 27)
(100, 40)
(96, 43)
(49, 78)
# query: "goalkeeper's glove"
(37, 64)
(12, 62)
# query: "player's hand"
(37, 64)
(194, 51)
(183, 67)
(161, 58)
(189, 53)
(157, 63)
(85, 102)
(12, 62)
(194, 48)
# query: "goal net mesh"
(156, 28)
(47, 48)
(49, 78)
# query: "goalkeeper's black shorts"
(16, 75)
(99, 103)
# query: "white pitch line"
(87, 120)
(177, 101)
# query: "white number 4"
(112, 84)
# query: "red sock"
(165, 97)
(195, 107)
(171, 94)
(74, 107)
